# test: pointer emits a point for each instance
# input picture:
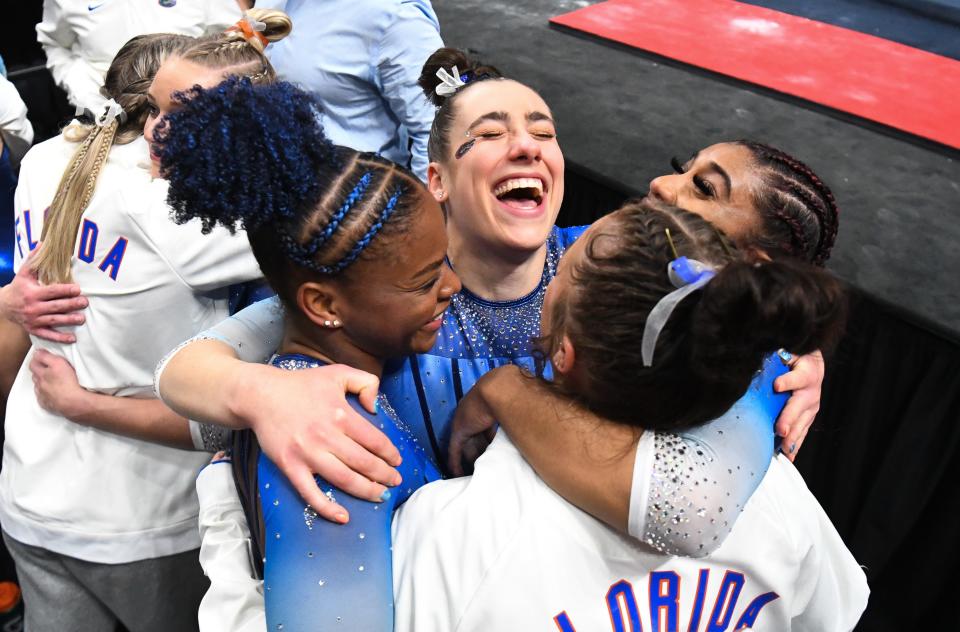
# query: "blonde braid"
(127, 82)
(54, 261)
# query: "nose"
(149, 127)
(449, 283)
(524, 147)
(665, 188)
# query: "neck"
(496, 275)
(330, 345)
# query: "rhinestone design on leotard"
(475, 328)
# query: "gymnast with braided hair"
(354, 247)
(776, 208)
(654, 297)
(97, 499)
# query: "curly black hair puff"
(240, 154)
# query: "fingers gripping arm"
(301, 418)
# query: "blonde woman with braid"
(97, 493)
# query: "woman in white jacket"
(99, 512)
(81, 38)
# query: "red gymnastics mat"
(895, 85)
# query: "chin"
(423, 342)
(526, 237)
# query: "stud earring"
(336, 323)
(327, 323)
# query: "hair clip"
(450, 82)
(251, 28)
(673, 248)
(688, 276)
(111, 111)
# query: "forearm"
(206, 381)
(144, 419)
(585, 459)
(14, 344)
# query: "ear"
(564, 358)
(435, 182)
(318, 302)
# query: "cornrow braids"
(322, 235)
(256, 156)
(364, 241)
(798, 210)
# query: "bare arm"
(14, 344)
(596, 471)
(302, 419)
(55, 383)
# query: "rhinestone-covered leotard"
(324, 576)
(476, 336)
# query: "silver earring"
(327, 323)
(336, 323)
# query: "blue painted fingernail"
(385, 495)
(785, 356)
(793, 448)
(376, 406)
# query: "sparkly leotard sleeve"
(324, 576)
(702, 478)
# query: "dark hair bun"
(749, 310)
(447, 58)
(243, 154)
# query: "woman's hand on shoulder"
(304, 423)
(805, 381)
(40, 308)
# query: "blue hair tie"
(687, 275)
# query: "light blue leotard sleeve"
(701, 478)
(324, 576)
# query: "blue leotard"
(476, 336)
(324, 576)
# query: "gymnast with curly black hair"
(354, 246)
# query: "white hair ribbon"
(450, 82)
(111, 111)
(255, 24)
(688, 276)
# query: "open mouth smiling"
(520, 193)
